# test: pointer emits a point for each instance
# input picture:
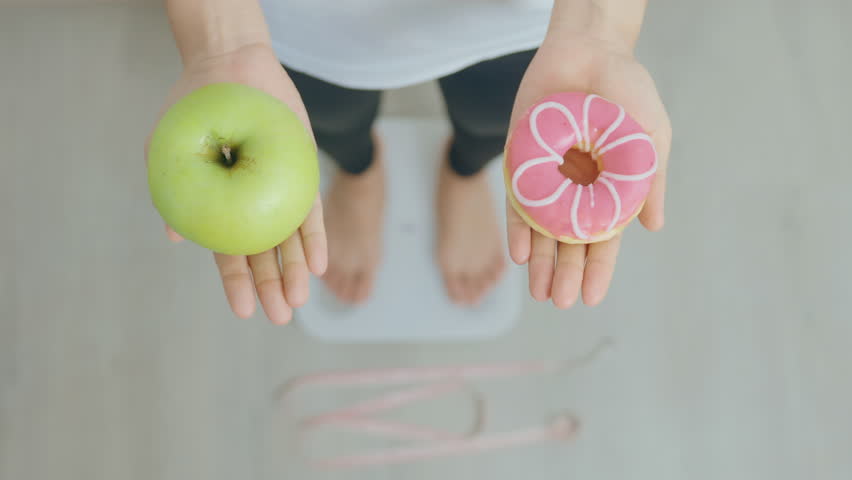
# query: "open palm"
(560, 271)
(279, 276)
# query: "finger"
(519, 234)
(295, 272)
(270, 290)
(542, 256)
(568, 279)
(315, 240)
(173, 235)
(236, 279)
(652, 215)
(600, 264)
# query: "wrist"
(614, 23)
(211, 29)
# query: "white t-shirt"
(381, 44)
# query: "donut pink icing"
(554, 204)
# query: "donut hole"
(580, 167)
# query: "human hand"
(581, 61)
(278, 276)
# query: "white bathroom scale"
(409, 303)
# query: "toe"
(331, 280)
(361, 286)
(484, 283)
(338, 282)
(452, 281)
(347, 287)
(476, 286)
(469, 289)
(498, 267)
(368, 284)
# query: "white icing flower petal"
(578, 137)
(615, 198)
(586, 144)
(615, 124)
(621, 141)
(552, 157)
(528, 202)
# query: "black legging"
(479, 101)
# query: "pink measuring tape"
(420, 384)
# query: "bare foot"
(354, 217)
(470, 247)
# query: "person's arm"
(589, 48)
(211, 28)
(616, 21)
(228, 41)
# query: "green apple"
(232, 169)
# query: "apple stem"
(226, 151)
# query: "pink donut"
(552, 141)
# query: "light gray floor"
(118, 358)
